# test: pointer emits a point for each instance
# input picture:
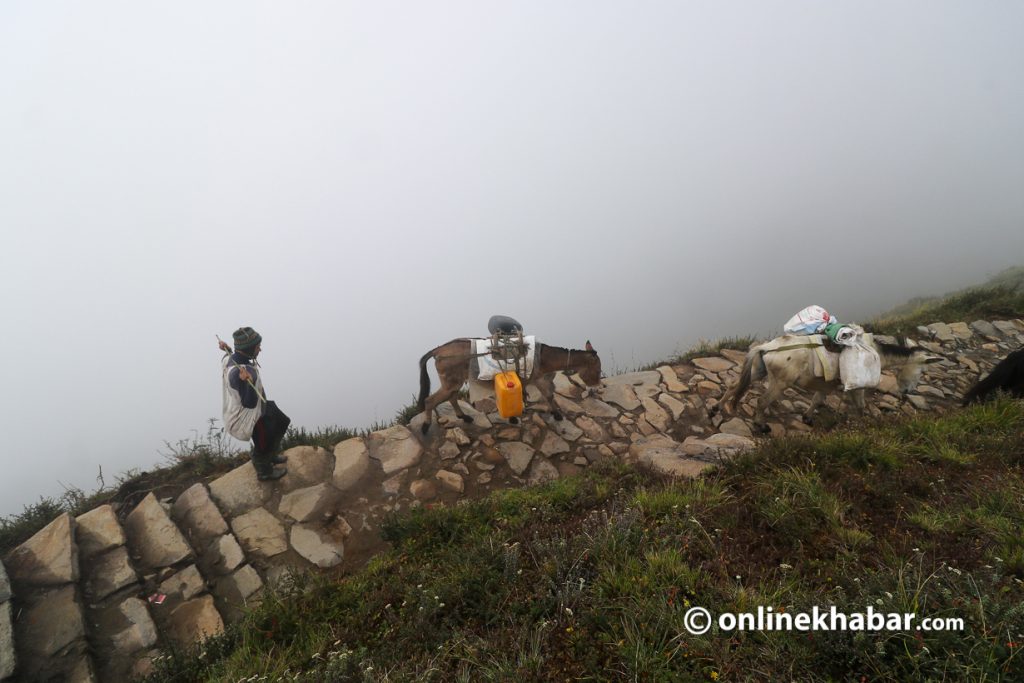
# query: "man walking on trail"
(247, 412)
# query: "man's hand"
(243, 374)
(224, 346)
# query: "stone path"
(75, 599)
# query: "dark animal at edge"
(1007, 375)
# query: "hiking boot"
(273, 474)
(279, 460)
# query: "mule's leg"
(858, 402)
(454, 400)
(770, 396)
(430, 405)
(816, 401)
(546, 386)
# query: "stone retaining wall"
(95, 597)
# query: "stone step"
(43, 613)
(120, 627)
(182, 548)
(222, 563)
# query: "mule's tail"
(746, 375)
(424, 379)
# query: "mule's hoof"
(809, 421)
(764, 429)
(513, 420)
(557, 416)
(467, 419)
(713, 410)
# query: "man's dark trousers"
(266, 437)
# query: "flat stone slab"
(51, 624)
(307, 466)
(351, 462)
(196, 514)
(986, 329)
(737, 357)
(186, 584)
(673, 405)
(49, 558)
(671, 380)
(665, 456)
(222, 555)
(452, 481)
(542, 471)
(553, 444)
(240, 590)
(621, 395)
(652, 377)
(108, 573)
(736, 426)
(303, 505)
(941, 331)
(260, 533)
(591, 429)
(565, 428)
(320, 548)
(713, 364)
(597, 408)
(961, 330)
(8, 659)
(565, 386)
(423, 489)
(567, 406)
(732, 441)
(239, 491)
(517, 454)
(97, 531)
(396, 449)
(195, 621)
(152, 536)
(717, 444)
(1007, 327)
(656, 416)
(140, 633)
(446, 416)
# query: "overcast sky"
(363, 181)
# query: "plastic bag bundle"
(811, 320)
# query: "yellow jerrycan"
(508, 391)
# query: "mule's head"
(590, 366)
(910, 372)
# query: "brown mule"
(452, 361)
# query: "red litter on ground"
(157, 598)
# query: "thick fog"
(360, 182)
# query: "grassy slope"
(1001, 297)
(589, 577)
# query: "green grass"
(705, 348)
(589, 578)
(983, 303)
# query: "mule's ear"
(932, 359)
(588, 347)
